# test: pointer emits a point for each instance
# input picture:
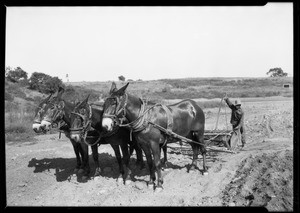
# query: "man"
(237, 117)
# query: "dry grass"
(18, 121)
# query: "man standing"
(237, 117)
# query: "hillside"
(197, 88)
(21, 102)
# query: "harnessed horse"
(56, 110)
(36, 126)
(86, 118)
(185, 118)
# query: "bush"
(16, 75)
(44, 83)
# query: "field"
(39, 171)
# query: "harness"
(82, 131)
(141, 122)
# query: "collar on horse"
(83, 131)
(86, 127)
(141, 122)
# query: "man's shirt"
(236, 114)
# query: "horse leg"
(95, 157)
(118, 156)
(198, 136)
(76, 150)
(85, 160)
(156, 155)
(195, 148)
(126, 157)
(139, 154)
(145, 147)
(165, 160)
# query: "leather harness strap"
(169, 117)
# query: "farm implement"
(214, 140)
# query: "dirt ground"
(40, 172)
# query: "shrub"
(44, 83)
(16, 74)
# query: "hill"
(197, 88)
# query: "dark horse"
(185, 118)
(56, 110)
(86, 125)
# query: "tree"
(52, 84)
(276, 72)
(37, 80)
(15, 75)
(121, 78)
(44, 83)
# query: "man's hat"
(237, 102)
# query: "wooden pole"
(218, 114)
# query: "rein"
(85, 128)
(140, 123)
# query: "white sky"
(102, 43)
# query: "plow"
(214, 140)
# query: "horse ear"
(113, 88)
(87, 98)
(59, 92)
(61, 89)
(47, 99)
(121, 91)
(61, 104)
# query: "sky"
(150, 43)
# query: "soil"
(40, 172)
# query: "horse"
(88, 117)
(184, 118)
(55, 110)
(36, 126)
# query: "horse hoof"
(84, 178)
(192, 170)
(120, 180)
(205, 173)
(127, 182)
(80, 171)
(159, 189)
(150, 185)
(97, 172)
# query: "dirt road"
(39, 173)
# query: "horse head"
(80, 120)
(114, 108)
(39, 113)
(53, 110)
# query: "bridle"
(119, 116)
(139, 124)
(57, 115)
(83, 130)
